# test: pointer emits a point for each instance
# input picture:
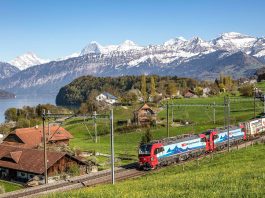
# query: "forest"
(81, 89)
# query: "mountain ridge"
(233, 53)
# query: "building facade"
(21, 164)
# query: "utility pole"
(112, 146)
(225, 108)
(228, 123)
(44, 146)
(263, 104)
(214, 112)
(95, 126)
(254, 102)
(167, 120)
(172, 111)
(49, 132)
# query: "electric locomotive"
(169, 150)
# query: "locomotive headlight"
(152, 159)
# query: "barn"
(22, 164)
(32, 137)
(144, 115)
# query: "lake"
(24, 100)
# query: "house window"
(30, 176)
(21, 175)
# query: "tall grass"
(236, 174)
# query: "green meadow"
(126, 141)
(240, 173)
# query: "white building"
(107, 97)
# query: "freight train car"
(169, 150)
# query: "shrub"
(147, 137)
(74, 170)
(246, 89)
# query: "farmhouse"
(190, 94)
(144, 115)
(20, 164)
(107, 97)
(32, 137)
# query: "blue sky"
(55, 28)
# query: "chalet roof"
(16, 155)
(32, 137)
(189, 93)
(145, 107)
(29, 137)
(109, 96)
(29, 160)
(58, 133)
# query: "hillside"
(78, 91)
(237, 174)
(7, 70)
(6, 95)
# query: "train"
(170, 150)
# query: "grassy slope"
(237, 174)
(9, 186)
(202, 118)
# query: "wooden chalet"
(144, 115)
(33, 137)
(189, 94)
(21, 164)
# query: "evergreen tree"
(221, 80)
(153, 87)
(147, 137)
(143, 87)
(172, 89)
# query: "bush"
(246, 89)
(23, 123)
(126, 129)
(74, 170)
(122, 122)
(147, 137)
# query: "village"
(21, 151)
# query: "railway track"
(93, 179)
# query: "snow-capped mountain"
(95, 48)
(73, 55)
(7, 70)
(234, 41)
(27, 60)
(232, 53)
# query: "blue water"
(24, 100)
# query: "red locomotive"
(169, 150)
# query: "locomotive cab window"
(145, 149)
